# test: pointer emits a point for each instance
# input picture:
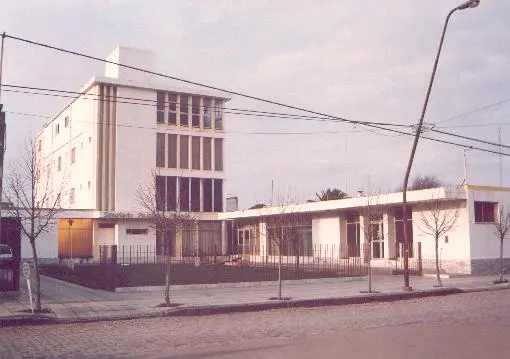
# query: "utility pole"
(2, 132)
(500, 159)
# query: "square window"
(485, 212)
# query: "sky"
(362, 60)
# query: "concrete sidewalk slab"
(87, 305)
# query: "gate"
(10, 260)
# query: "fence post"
(113, 269)
(420, 266)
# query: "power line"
(150, 102)
(240, 94)
(471, 138)
(359, 123)
(474, 110)
(231, 132)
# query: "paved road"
(470, 325)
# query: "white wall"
(136, 147)
(124, 239)
(457, 247)
(484, 240)
(326, 231)
(46, 245)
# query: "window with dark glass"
(172, 151)
(171, 193)
(137, 231)
(172, 108)
(207, 153)
(195, 194)
(184, 110)
(184, 194)
(218, 154)
(484, 212)
(160, 193)
(195, 111)
(160, 107)
(218, 115)
(353, 234)
(207, 113)
(218, 195)
(399, 231)
(184, 149)
(160, 150)
(195, 152)
(208, 194)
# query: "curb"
(250, 307)
(244, 307)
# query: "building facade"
(123, 130)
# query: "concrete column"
(362, 240)
(389, 234)
(263, 240)
(224, 238)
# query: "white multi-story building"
(120, 131)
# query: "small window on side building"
(485, 212)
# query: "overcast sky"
(364, 60)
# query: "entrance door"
(377, 239)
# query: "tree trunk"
(37, 291)
(501, 260)
(438, 274)
(370, 267)
(280, 274)
(167, 280)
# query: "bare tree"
(372, 229)
(281, 233)
(168, 219)
(35, 202)
(501, 227)
(436, 219)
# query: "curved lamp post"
(465, 5)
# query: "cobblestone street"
(179, 337)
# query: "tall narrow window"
(195, 152)
(195, 111)
(218, 115)
(66, 122)
(184, 149)
(160, 150)
(171, 193)
(184, 194)
(73, 155)
(184, 110)
(160, 193)
(160, 107)
(172, 108)
(207, 113)
(59, 163)
(195, 194)
(218, 154)
(172, 151)
(207, 153)
(208, 194)
(218, 195)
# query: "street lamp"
(465, 5)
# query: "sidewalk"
(69, 303)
